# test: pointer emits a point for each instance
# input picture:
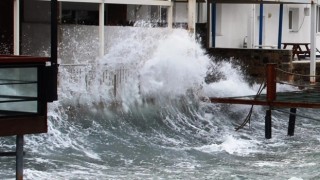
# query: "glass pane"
(18, 89)
(290, 19)
(35, 28)
(18, 107)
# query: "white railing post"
(101, 29)
(170, 15)
(192, 16)
(16, 27)
(313, 37)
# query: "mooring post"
(292, 121)
(268, 124)
(19, 157)
(271, 96)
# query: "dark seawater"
(160, 129)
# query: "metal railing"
(87, 76)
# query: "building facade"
(236, 25)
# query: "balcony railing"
(83, 75)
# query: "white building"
(237, 25)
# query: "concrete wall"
(234, 23)
(252, 61)
(180, 14)
(304, 68)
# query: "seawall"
(252, 62)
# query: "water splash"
(159, 127)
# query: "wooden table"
(297, 50)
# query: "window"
(293, 19)
(116, 15)
(290, 19)
(6, 30)
(79, 13)
(218, 19)
(158, 16)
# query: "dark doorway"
(116, 14)
(6, 26)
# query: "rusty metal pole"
(271, 96)
(19, 157)
(271, 82)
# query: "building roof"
(168, 2)
(266, 1)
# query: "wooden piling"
(19, 157)
(292, 121)
(268, 124)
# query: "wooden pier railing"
(309, 97)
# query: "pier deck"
(297, 99)
(309, 98)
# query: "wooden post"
(19, 157)
(292, 121)
(268, 124)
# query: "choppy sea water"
(157, 126)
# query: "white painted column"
(313, 43)
(170, 15)
(251, 27)
(16, 27)
(101, 29)
(192, 16)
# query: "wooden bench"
(297, 50)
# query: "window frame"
(293, 19)
(318, 20)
